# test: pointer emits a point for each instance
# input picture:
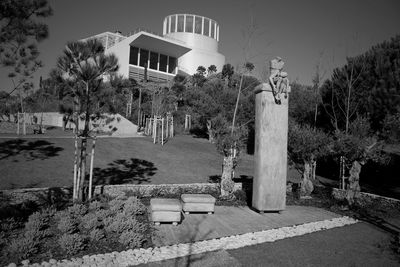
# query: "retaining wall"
(54, 194)
(366, 199)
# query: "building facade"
(188, 41)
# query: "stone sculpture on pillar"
(278, 79)
(271, 134)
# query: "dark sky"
(303, 32)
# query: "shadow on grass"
(23, 206)
(39, 149)
(122, 171)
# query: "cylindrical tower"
(199, 33)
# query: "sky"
(303, 33)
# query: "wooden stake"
(24, 124)
(91, 168)
(154, 129)
(78, 178)
(74, 191)
(172, 126)
(18, 123)
(162, 131)
(186, 122)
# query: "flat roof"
(160, 44)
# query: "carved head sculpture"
(276, 64)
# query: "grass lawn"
(48, 162)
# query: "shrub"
(96, 234)
(107, 222)
(49, 212)
(90, 221)
(96, 206)
(24, 246)
(240, 196)
(117, 204)
(9, 224)
(122, 222)
(133, 206)
(3, 239)
(68, 224)
(131, 239)
(37, 222)
(77, 210)
(72, 243)
(102, 215)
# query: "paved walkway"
(228, 221)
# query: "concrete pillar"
(202, 25)
(138, 58)
(270, 155)
(168, 64)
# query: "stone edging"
(138, 256)
(366, 198)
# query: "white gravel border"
(137, 256)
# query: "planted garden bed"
(102, 226)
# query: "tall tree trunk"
(210, 132)
(76, 114)
(75, 182)
(313, 168)
(306, 184)
(82, 169)
(85, 136)
(227, 184)
(237, 105)
(353, 186)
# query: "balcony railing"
(137, 73)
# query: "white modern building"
(188, 41)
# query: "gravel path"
(140, 256)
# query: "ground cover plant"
(103, 225)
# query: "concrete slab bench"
(165, 210)
(198, 203)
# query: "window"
(173, 23)
(167, 29)
(212, 29)
(133, 55)
(144, 57)
(197, 25)
(153, 60)
(163, 63)
(206, 27)
(180, 23)
(189, 23)
(172, 65)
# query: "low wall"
(367, 199)
(55, 194)
(115, 124)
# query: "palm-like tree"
(86, 64)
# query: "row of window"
(193, 24)
(154, 60)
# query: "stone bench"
(198, 203)
(165, 210)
